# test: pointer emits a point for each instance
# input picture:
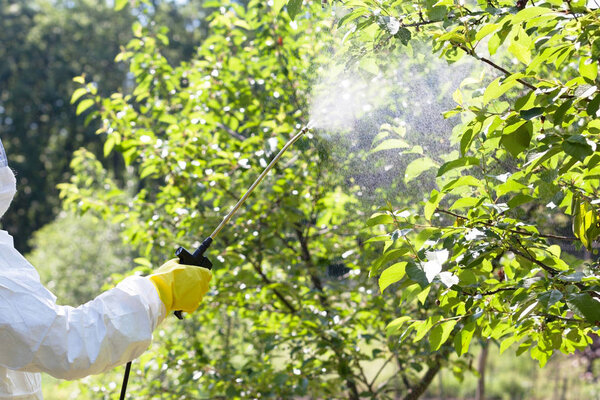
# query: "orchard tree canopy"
(293, 311)
(510, 230)
(43, 45)
(324, 292)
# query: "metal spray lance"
(197, 258)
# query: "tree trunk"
(480, 395)
(563, 395)
(442, 396)
(417, 391)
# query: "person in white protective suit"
(37, 335)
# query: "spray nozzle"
(197, 259)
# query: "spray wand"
(197, 258)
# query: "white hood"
(8, 188)
(8, 183)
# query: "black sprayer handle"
(197, 259)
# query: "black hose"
(125, 380)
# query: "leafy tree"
(526, 168)
(76, 255)
(292, 312)
(43, 45)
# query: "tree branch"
(265, 279)
(231, 132)
(417, 390)
(381, 370)
(545, 267)
(494, 65)
(344, 364)
(515, 231)
(506, 289)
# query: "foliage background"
(177, 125)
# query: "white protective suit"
(37, 335)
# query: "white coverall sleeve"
(37, 335)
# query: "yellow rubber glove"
(181, 287)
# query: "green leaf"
(577, 147)
(389, 256)
(466, 202)
(506, 343)
(432, 204)
(84, 105)
(416, 274)
(404, 35)
(137, 29)
(466, 140)
(394, 327)
(593, 105)
(77, 94)
(461, 162)
(422, 297)
(588, 69)
(520, 49)
(462, 340)
(519, 199)
(596, 49)
(510, 186)
(293, 8)
(108, 145)
(422, 327)
(494, 43)
(148, 170)
(120, 4)
(540, 158)
(417, 167)
(144, 262)
(585, 222)
(487, 29)
(242, 24)
(497, 88)
(541, 355)
(277, 6)
(378, 219)
(390, 144)
(392, 275)
(561, 111)
(440, 334)
(549, 298)
(531, 113)
(585, 306)
(466, 180)
(517, 140)
(168, 119)
(529, 13)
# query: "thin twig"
(381, 369)
(516, 231)
(265, 279)
(561, 318)
(233, 133)
(494, 65)
(496, 291)
(545, 267)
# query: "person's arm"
(37, 335)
